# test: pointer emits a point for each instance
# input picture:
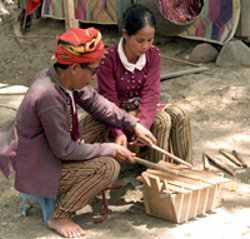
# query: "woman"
(129, 76)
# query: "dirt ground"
(218, 101)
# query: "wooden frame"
(181, 195)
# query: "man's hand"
(123, 154)
(144, 135)
(122, 140)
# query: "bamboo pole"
(70, 15)
(178, 160)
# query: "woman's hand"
(144, 135)
(122, 140)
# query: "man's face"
(82, 76)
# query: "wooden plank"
(206, 198)
(232, 158)
(178, 60)
(220, 165)
(188, 207)
(239, 158)
(196, 174)
(179, 180)
(195, 202)
(166, 76)
(211, 198)
(156, 203)
(198, 202)
(175, 189)
(179, 208)
(201, 201)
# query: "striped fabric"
(161, 130)
(172, 130)
(180, 135)
(82, 181)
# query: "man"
(52, 161)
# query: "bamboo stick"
(70, 16)
(151, 165)
(220, 165)
(232, 158)
(163, 151)
(236, 155)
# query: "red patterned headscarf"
(79, 46)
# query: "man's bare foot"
(66, 227)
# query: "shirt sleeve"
(52, 116)
(104, 110)
(150, 94)
(106, 86)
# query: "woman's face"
(140, 42)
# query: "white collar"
(72, 99)
(141, 62)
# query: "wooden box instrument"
(180, 193)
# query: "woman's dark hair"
(136, 17)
